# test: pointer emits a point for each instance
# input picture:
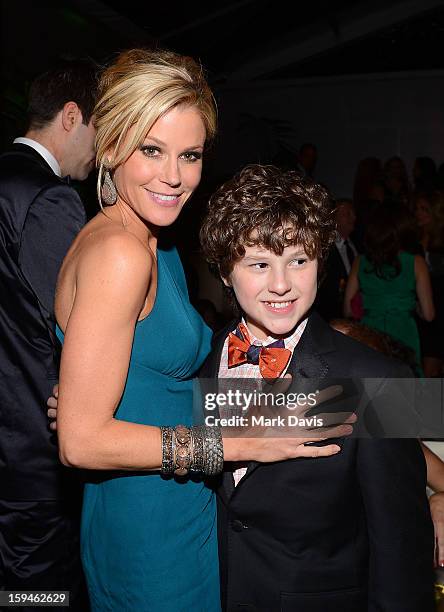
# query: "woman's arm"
(112, 281)
(424, 289)
(352, 287)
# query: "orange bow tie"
(272, 359)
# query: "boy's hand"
(52, 410)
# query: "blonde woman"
(133, 342)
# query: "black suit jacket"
(347, 533)
(39, 217)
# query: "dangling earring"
(109, 192)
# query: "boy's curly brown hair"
(266, 206)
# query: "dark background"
(246, 46)
(357, 78)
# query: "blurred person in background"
(396, 181)
(391, 279)
(368, 173)
(307, 158)
(330, 297)
(429, 214)
(425, 176)
(368, 191)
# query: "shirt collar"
(43, 151)
(289, 342)
(339, 240)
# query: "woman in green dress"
(394, 283)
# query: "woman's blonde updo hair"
(137, 89)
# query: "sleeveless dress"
(389, 303)
(149, 543)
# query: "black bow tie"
(66, 179)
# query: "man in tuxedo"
(40, 214)
(329, 300)
(311, 534)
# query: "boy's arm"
(435, 480)
(392, 479)
(435, 469)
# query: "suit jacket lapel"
(227, 486)
(307, 360)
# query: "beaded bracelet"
(197, 434)
(167, 450)
(191, 449)
(213, 451)
(183, 450)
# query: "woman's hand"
(269, 449)
(283, 438)
(52, 410)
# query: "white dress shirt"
(340, 245)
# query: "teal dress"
(390, 303)
(149, 543)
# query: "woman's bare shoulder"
(112, 261)
(111, 247)
(106, 264)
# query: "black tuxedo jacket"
(347, 533)
(39, 217)
(330, 297)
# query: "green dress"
(389, 303)
(149, 544)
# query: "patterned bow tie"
(272, 359)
